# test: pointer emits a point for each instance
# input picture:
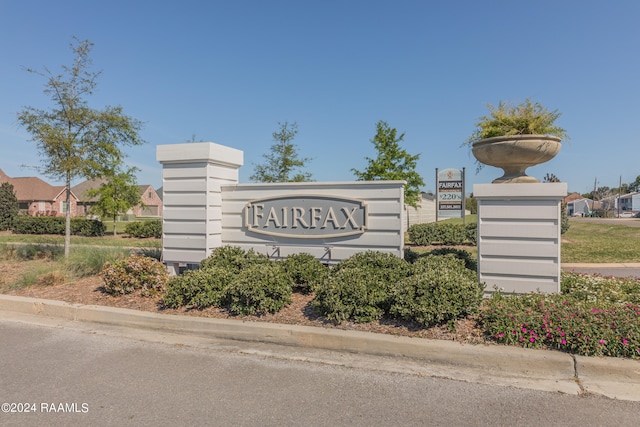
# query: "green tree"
(635, 185)
(393, 163)
(282, 161)
(119, 194)
(471, 203)
(73, 139)
(549, 177)
(8, 206)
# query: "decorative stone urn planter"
(514, 154)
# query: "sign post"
(450, 194)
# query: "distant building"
(38, 198)
(426, 211)
(148, 197)
(625, 203)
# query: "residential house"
(630, 202)
(622, 203)
(581, 207)
(38, 198)
(151, 200)
(148, 197)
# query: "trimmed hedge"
(306, 271)
(441, 290)
(470, 262)
(444, 233)
(26, 224)
(233, 258)
(198, 288)
(363, 288)
(360, 288)
(145, 229)
(260, 289)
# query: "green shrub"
(441, 290)
(305, 271)
(233, 258)
(444, 233)
(382, 263)
(135, 273)
(423, 234)
(471, 233)
(259, 289)
(470, 261)
(353, 294)
(25, 224)
(87, 227)
(411, 256)
(198, 288)
(145, 229)
(360, 288)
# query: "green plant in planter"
(515, 137)
(527, 118)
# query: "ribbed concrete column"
(192, 202)
(519, 236)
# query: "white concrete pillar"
(192, 174)
(519, 236)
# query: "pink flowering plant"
(592, 316)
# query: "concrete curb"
(500, 365)
(601, 265)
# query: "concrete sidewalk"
(487, 364)
(624, 269)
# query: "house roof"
(571, 197)
(83, 187)
(32, 188)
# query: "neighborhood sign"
(450, 193)
(308, 217)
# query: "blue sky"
(230, 71)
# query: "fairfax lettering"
(311, 216)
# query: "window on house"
(149, 194)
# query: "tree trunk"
(67, 227)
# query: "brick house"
(38, 198)
(148, 197)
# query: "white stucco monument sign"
(204, 207)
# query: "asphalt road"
(106, 380)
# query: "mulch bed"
(88, 291)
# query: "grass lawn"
(600, 243)
(107, 240)
(584, 242)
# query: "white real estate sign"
(450, 193)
